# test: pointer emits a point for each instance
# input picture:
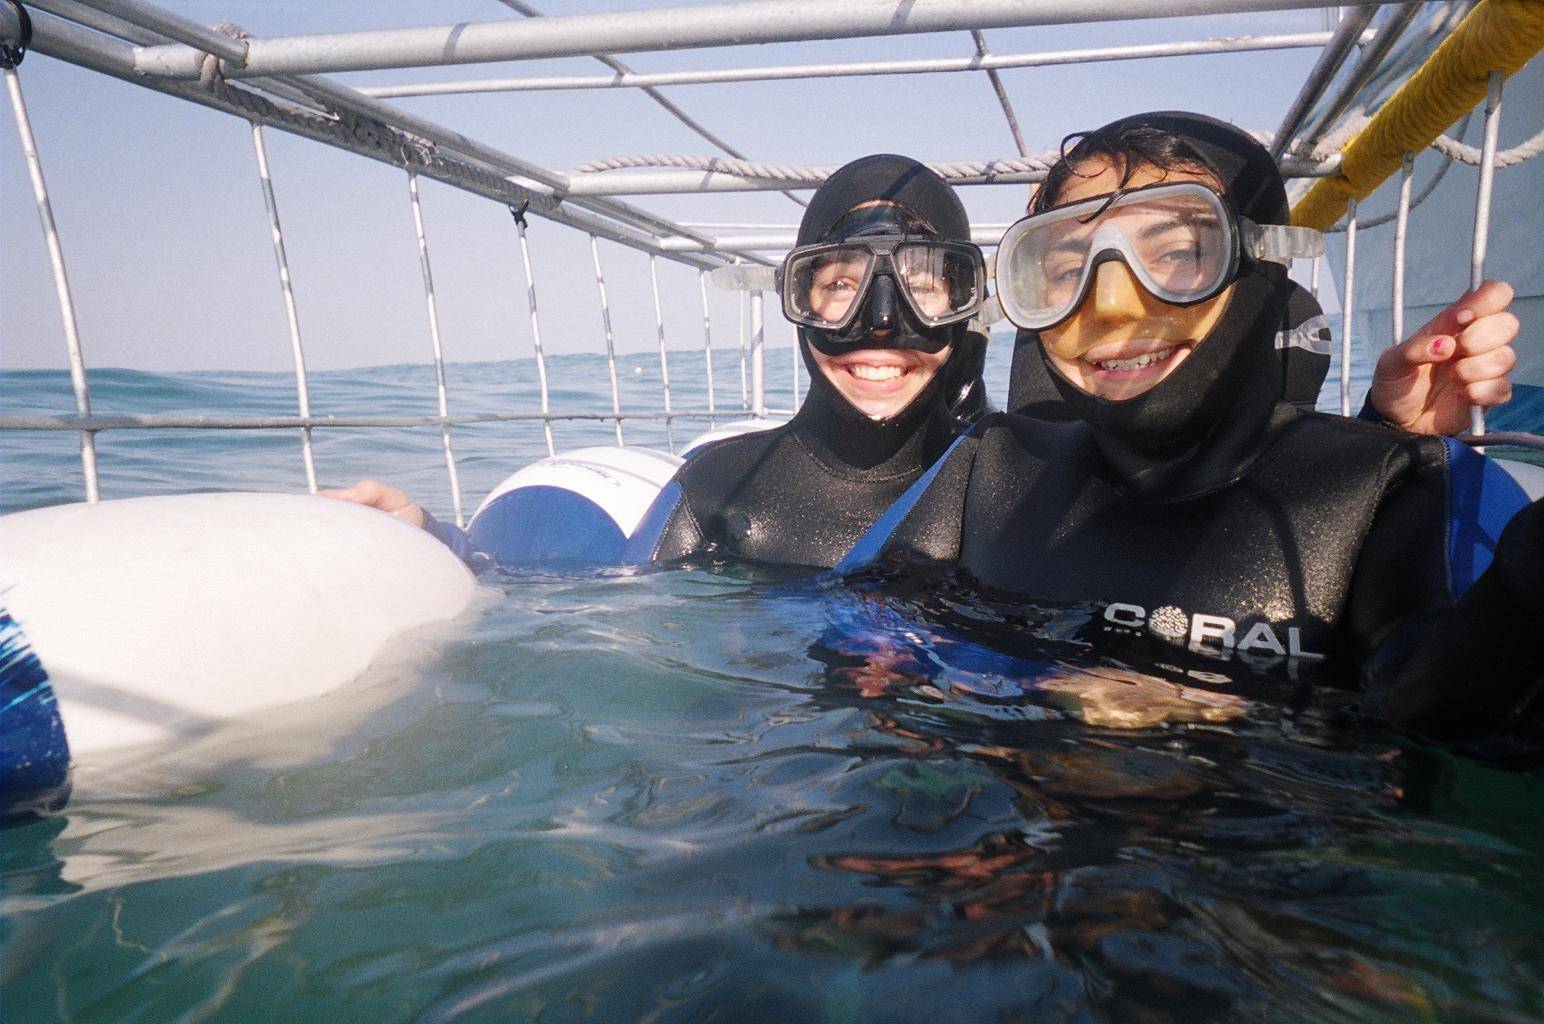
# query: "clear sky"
(165, 234)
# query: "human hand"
(1427, 383)
(382, 496)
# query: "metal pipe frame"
(1367, 65)
(511, 180)
(173, 421)
(1482, 211)
(78, 381)
(541, 359)
(1347, 307)
(853, 69)
(664, 361)
(431, 305)
(291, 311)
(611, 348)
(1347, 33)
(672, 28)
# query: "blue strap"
(868, 546)
(644, 542)
(1482, 498)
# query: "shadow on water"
(688, 796)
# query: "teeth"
(864, 371)
(1147, 359)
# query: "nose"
(882, 311)
(1117, 293)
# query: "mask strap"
(1279, 243)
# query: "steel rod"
(1482, 212)
(611, 348)
(291, 312)
(944, 65)
(664, 362)
(671, 28)
(1346, 36)
(1347, 304)
(432, 306)
(1368, 64)
(530, 300)
(745, 393)
(707, 341)
(1401, 230)
(78, 382)
(758, 359)
(171, 421)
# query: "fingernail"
(1464, 316)
(1439, 346)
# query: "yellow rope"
(1498, 35)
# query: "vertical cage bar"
(1313, 277)
(29, 148)
(795, 369)
(611, 348)
(742, 301)
(530, 301)
(1482, 212)
(758, 360)
(707, 345)
(1401, 227)
(439, 352)
(664, 363)
(1347, 302)
(291, 313)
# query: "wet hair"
(1123, 144)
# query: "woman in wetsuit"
(1186, 502)
(882, 284)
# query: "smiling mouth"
(1134, 363)
(868, 371)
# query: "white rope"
(813, 174)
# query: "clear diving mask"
(824, 286)
(1181, 242)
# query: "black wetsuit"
(1211, 514)
(804, 492)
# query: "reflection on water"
(680, 797)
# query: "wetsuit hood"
(839, 433)
(1196, 429)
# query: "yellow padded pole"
(1498, 35)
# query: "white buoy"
(160, 618)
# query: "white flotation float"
(140, 622)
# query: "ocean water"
(688, 796)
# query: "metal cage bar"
(664, 361)
(741, 304)
(758, 358)
(432, 307)
(1347, 304)
(1401, 228)
(707, 343)
(611, 348)
(541, 360)
(291, 312)
(29, 148)
(1482, 211)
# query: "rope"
(1498, 35)
(813, 175)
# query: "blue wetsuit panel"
(533, 526)
(873, 540)
(34, 755)
(1482, 498)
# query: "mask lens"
(1177, 240)
(822, 288)
(943, 283)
